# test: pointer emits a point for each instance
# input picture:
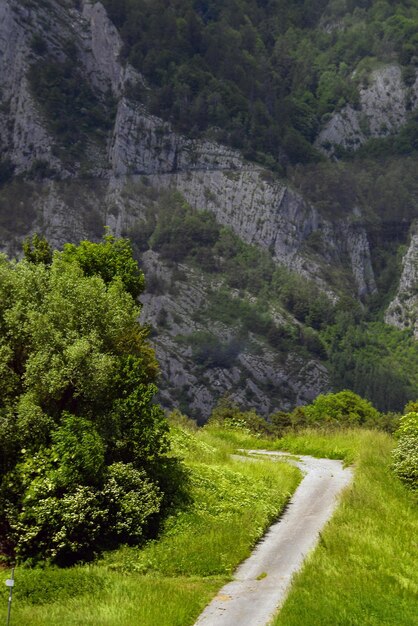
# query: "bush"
(230, 416)
(210, 352)
(74, 523)
(80, 434)
(344, 408)
(405, 455)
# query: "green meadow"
(168, 581)
(363, 571)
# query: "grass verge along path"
(364, 570)
(261, 582)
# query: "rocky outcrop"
(144, 144)
(260, 209)
(23, 136)
(403, 310)
(103, 47)
(265, 212)
(256, 377)
(383, 107)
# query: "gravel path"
(262, 582)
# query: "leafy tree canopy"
(344, 408)
(110, 259)
(79, 431)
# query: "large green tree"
(79, 430)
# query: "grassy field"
(169, 581)
(364, 571)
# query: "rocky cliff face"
(260, 209)
(103, 185)
(383, 106)
(22, 133)
(403, 310)
(256, 374)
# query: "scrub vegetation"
(263, 76)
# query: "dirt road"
(262, 581)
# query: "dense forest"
(264, 75)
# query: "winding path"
(262, 582)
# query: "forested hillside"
(261, 156)
(264, 76)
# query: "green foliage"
(79, 431)
(374, 524)
(182, 233)
(405, 455)
(344, 408)
(178, 419)
(109, 259)
(80, 449)
(261, 76)
(37, 250)
(332, 411)
(231, 505)
(209, 351)
(228, 415)
(302, 298)
(91, 595)
(374, 360)
(65, 583)
(63, 520)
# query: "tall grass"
(364, 571)
(120, 601)
(168, 581)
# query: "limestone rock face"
(403, 310)
(382, 110)
(144, 144)
(103, 48)
(270, 214)
(22, 134)
(257, 377)
(259, 208)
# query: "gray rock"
(403, 310)
(382, 110)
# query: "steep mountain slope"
(80, 149)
